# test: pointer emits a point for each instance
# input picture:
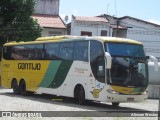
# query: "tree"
(16, 23)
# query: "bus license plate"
(130, 99)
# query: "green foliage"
(16, 21)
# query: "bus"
(104, 69)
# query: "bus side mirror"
(153, 59)
(108, 60)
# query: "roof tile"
(49, 21)
(91, 19)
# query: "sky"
(148, 10)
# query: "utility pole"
(117, 25)
(97, 28)
(107, 9)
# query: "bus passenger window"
(39, 52)
(52, 51)
(22, 52)
(66, 50)
(81, 51)
(7, 53)
(29, 52)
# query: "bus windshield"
(129, 66)
(126, 50)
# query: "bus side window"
(101, 69)
(39, 52)
(19, 52)
(52, 51)
(29, 52)
(66, 50)
(7, 53)
(81, 51)
(97, 60)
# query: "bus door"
(97, 62)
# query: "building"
(47, 15)
(117, 30)
(125, 27)
(89, 26)
(145, 32)
(52, 24)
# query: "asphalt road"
(48, 106)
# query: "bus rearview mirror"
(153, 59)
(108, 60)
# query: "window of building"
(85, 33)
(54, 33)
(103, 33)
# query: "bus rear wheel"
(115, 104)
(22, 88)
(15, 87)
(81, 96)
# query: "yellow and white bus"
(102, 69)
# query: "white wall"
(50, 7)
(48, 31)
(148, 34)
(94, 27)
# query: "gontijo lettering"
(29, 66)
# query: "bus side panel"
(62, 77)
(55, 76)
(32, 72)
(77, 74)
(4, 79)
(37, 75)
(5, 67)
(80, 73)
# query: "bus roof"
(70, 38)
(119, 40)
(105, 39)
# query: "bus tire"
(115, 104)
(81, 96)
(22, 88)
(15, 87)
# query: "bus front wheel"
(15, 87)
(81, 97)
(22, 88)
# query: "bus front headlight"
(112, 91)
(144, 93)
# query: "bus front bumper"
(126, 98)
